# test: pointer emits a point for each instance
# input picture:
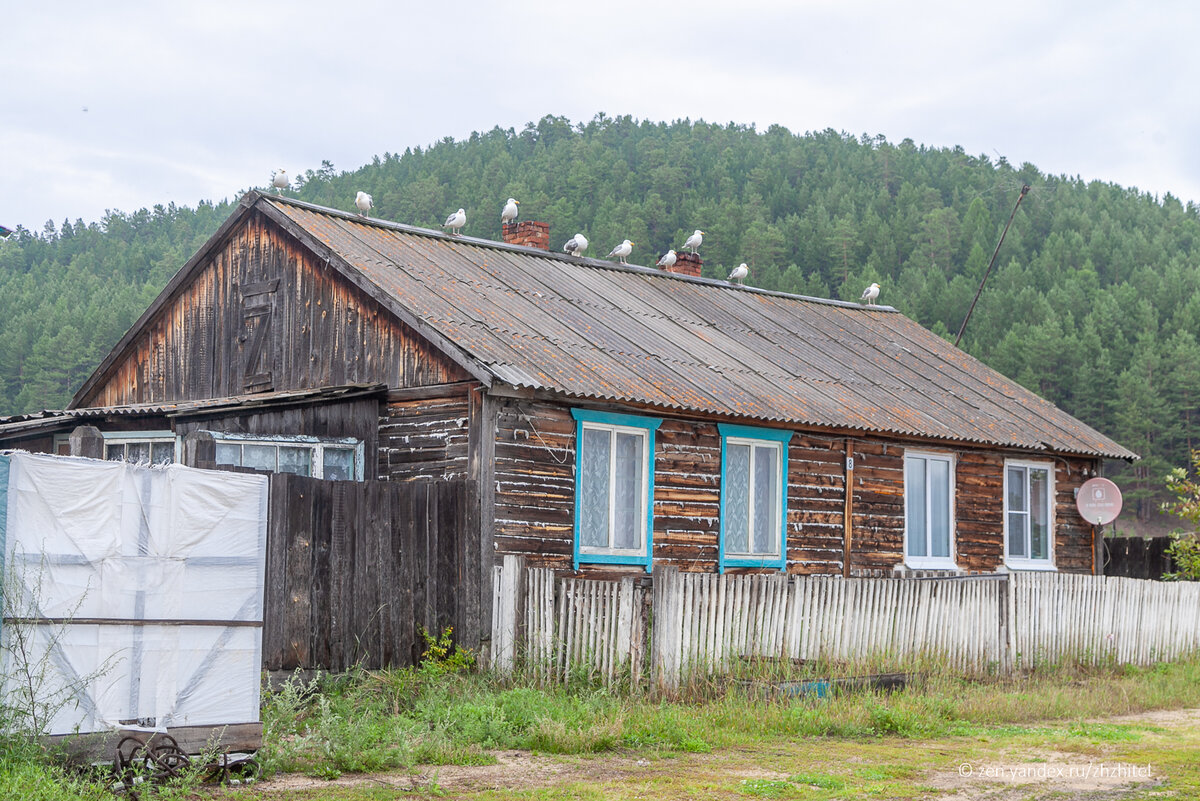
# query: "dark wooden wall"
(357, 417)
(263, 314)
(1137, 557)
(424, 435)
(535, 496)
(356, 569)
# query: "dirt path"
(1115, 758)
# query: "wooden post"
(87, 441)
(200, 450)
(848, 514)
(666, 612)
(507, 611)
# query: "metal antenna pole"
(1024, 191)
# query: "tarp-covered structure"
(133, 596)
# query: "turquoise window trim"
(770, 435)
(650, 426)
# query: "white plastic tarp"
(141, 588)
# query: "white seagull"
(280, 179)
(739, 273)
(694, 240)
(576, 245)
(364, 203)
(621, 251)
(668, 260)
(510, 211)
(456, 221)
(869, 294)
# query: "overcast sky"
(123, 105)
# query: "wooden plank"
(98, 746)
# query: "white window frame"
(318, 445)
(931, 562)
(1026, 562)
(125, 437)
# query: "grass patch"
(372, 721)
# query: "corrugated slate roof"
(591, 329)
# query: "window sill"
(1022, 566)
(771, 562)
(612, 559)
(930, 564)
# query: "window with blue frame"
(753, 497)
(614, 487)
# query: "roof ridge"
(254, 195)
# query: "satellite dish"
(1099, 501)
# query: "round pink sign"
(1099, 501)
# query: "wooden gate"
(355, 570)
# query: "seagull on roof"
(280, 179)
(694, 240)
(456, 221)
(576, 245)
(668, 260)
(364, 203)
(621, 251)
(510, 211)
(869, 294)
(739, 273)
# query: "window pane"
(914, 491)
(939, 507)
(137, 452)
(765, 500)
(229, 453)
(1016, 490)
(162, 452)
(630, 520)
(737, 498)
(260, 457)
(296, 460)
(339, 464)
(1039, 524)
(593, 514)
(114, 453)
(1016, 533)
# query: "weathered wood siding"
(356, 418)
(262, 313)
(355, 570)
(425, 437)
(535, 497)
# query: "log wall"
(262, 313)
(535, 497)
(425, 437)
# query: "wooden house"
(614, 418)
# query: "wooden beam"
(848, 513)
(95, 746)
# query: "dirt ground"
(951, 769)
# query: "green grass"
(439, 714)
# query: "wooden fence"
(355, 569)
(1137, 557)
(702, 623)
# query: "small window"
(929, 511)
(753, 497)
(140, 447)
(614, 487)
(340, 460)
(1028, 515)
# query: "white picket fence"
(702, 623)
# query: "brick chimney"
(686, 264)
(529, 233)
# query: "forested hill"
(1094, 301)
